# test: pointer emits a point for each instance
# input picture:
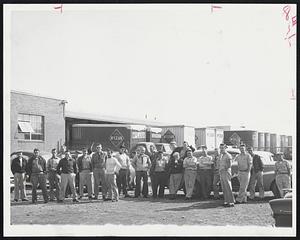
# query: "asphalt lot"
(140, 211)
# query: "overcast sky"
(180, 63)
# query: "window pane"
(37, 137)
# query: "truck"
(153, 134)
(110, 136)
(235, 138)
(178, 133)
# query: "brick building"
(36, 122)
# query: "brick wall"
(54, 123)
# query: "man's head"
(152, 148)
(204, 150)
(243, 148)
(185, 145)
(173, 145)
(189, 152)
(279, 156)
(54, 152)
(250, 151)
(19, 154)
(160, 154)
(36, 152)
(217, 151)
(133, 154)
(122, 149)
(99, 148)
(142, 150)
(84, 151)
(222, 148)
(109, 153)
(176, 155)
(68, 154)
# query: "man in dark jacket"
(256, 175)
(18, 169)
(176, 174)
(67, 168)
(36, 169)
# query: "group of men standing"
(182, 169)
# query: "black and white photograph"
(149, 119)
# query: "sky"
(180, 64)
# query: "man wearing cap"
(225, 176)
(84, 164)
(256, 175)
(216, 174)
(176, 174)
(204, 172)
(124, 161)
(53, 176)
(98, 166)
(67, 168)
(244, 161)
(158, 171)
(36, 170)
(190, 172)
(282, 173)
(141, 164)
(18, 169)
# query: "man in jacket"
(18, 169)
(244, 161)
(36, 170)
(141, 164)
(176, 174)
(67, 168)
(225, 176)
(256, 175)
(159, 174)
(98, 165)
(84, 164)
(53, 176)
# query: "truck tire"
(275, 190)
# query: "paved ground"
(143, 211)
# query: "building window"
(30, 127)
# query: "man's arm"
(12, 167)
(250, 160)
(59, 166)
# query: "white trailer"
(210, 137)
(179, 133)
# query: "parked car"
(268, 173)
(282, 210)
(165, 147)
(26, 155)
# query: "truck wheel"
(275, 190)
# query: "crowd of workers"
(111, 171)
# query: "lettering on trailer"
(136, 135)
(168, 136)
(235, 139)
(156, 135)
(116, 138)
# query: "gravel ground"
(129, 211)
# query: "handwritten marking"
(286, 11)
(213, 6)
(59, 7)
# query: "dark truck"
(109, 135)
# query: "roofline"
(129, 126)
(35, 95)
(116, 119)
(179, 125)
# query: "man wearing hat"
(225, 176)
(190, 172)
(158, 172)
(204, 173)
(282, 173)
(124, 160)
(256, 175)
(244, 161)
